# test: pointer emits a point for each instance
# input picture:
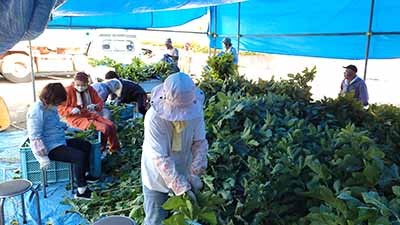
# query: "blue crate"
(95, 157)
(58, 171)
(127, 112)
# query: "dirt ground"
(382, 79)
(18, 97)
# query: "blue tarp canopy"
(25, 20)
(130, 14)
(329, 28)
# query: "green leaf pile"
(276, 157)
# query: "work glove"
(196, 183)
(91, 107)
(44, 163)
(75, 111)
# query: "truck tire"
(16, 68)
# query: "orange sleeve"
(65, 108)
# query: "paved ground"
(382, 80)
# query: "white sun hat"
(178, 98)
(115, 86)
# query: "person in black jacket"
(131, 92)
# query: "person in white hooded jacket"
(175, 146)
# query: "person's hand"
(44, 162)
(196, 183)
(91, 107)
(75, 111)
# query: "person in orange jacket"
(82, 107)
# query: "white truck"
(64, 54)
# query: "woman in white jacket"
(175, 145)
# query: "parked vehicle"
(65, 57)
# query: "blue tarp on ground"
(51, 209)
(330, 28)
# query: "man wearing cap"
(229, 49)
(353, 83)
(82, 107)
(175, 145)
(104, 90)
(171, 51)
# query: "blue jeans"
(153, 201)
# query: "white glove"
(44, 163)
(91, 107)
(75, 111)
(196, 183)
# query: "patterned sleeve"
(176, 182)
(199, 149)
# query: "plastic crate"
(127, 112)
(95, 157)
(58, 171)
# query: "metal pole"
(32, 72)
(238, 31)
(215, 30)
(369, 34)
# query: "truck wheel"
(16, 68)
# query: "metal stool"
(17, 187)
(71, 180)
(115, 220)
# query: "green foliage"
(186, 211)
(276, 157)
(220, 67)
(137, 71)
(121, 193)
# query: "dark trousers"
(76, 151)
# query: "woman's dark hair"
(53, 94)
(111, 75)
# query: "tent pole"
(32, 72)
(369, 34)
(215, 30)
(238, 28)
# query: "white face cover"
(80, 88)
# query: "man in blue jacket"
(353, 83)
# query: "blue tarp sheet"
(160, 19)
(51, 210)
(130, 14)
(22, 20)
(330, 28)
